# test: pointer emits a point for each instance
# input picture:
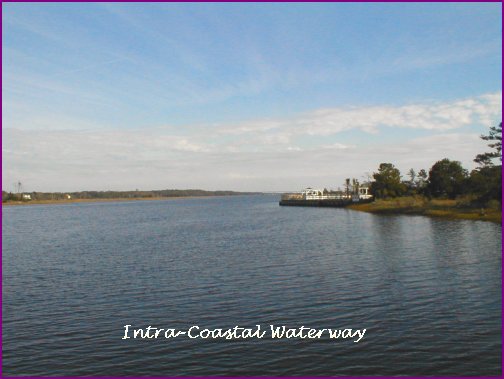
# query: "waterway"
(427, 291)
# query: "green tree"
(495, 134)
(486, 181)
(421, 181)
(387, 182)
(411, 184)
(447, 178)
(486, 184)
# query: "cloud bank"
(319, 148)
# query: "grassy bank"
(65, 201)
(119, 199)
(451, 209)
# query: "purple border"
(1, 216)
(230, 1)
(502, 254)
(251, 1)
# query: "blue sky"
(242, 96)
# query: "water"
(427, 290)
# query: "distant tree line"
(447, 178)
(9, 196)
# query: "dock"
(319, 198)
(334, 203)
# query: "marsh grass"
(446, 208)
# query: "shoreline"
(110, 200)
(447, 209)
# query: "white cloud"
(436, 116)
(287, 135)
(257, 155)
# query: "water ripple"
(428, 291)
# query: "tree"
(495, 134)
(387, 182)
(486, 184)
(347, 186)
(421, 180)
(411, 184)
(447, 178)
(355, 186)
(486, 181)
(412, 175)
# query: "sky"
(242, 96)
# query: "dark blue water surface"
(427, 290)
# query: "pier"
(334, 203)
(318, 198)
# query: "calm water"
(428, 291)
